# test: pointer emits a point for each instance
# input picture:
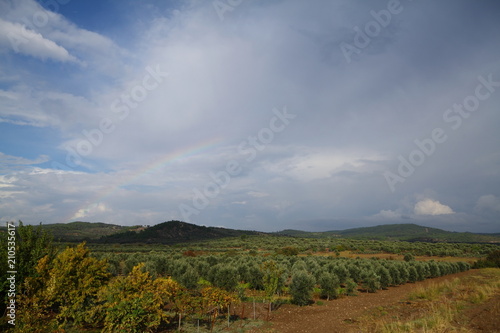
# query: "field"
(463, 302)
(255, 283)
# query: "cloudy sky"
(265, 115)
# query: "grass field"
(465, 304)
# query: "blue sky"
(260, 115)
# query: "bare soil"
(342, 315)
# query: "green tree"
(301, 287)
(371, 281)
(351, 287)
(409, 257)
(224, 276)
(31, 245)
(385, 277)
(329, 285)
(413, 274)
(190, 278)
(271, 275)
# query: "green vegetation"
(179, 232)
(301, 288)
(156, 287)
(31, 245)
(492, 260)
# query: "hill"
(178, 232)
(402, 232)
(174, 232)
(81, 231)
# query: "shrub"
(492, 260)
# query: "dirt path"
(340, 315)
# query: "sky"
(257, 115)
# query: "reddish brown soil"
(341, 315)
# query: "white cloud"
(307, 164)
(90, 211)
(387, 214)
(257, 194)
(9, 163)
(8, 159)
(431, 207)
(18, 38)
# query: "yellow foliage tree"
(64, 292)
(136, 302)
(215, 300)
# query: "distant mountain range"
(173, 232)
(402, 232)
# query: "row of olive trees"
(370, 276)
(327, 273)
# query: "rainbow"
(149, 168)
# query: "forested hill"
(79, 231)
(174, 232)
(178, 232)
(404, 232)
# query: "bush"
(301, 287)
(492, 260)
